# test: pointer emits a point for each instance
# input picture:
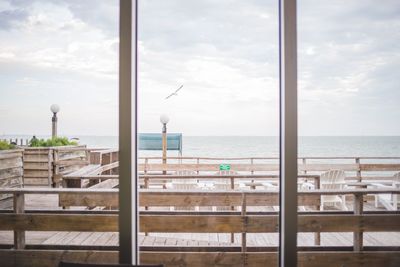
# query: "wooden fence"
(44, 165)
(242, 222)
(11, 170)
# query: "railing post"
(244, 230)
(358, 234)
(146, 161)
(317, 235)
(232, 207)
(19, 208)
(52, 167)
(359, 178)
(304, 161)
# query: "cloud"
(224, 52)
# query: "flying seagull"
(175, 93)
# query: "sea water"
(263, 146)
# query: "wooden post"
(244, 230)
(358, 234)
(19, 207)
(244, 243)
(304, 165)
(317, 235)
(232, 207)
(252, 163)
(198, 162)
(359, 179)
(146, 161)
(52, 168)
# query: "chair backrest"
(224, 184)
(333, 179)
(180, 185)
(396, 179)
(185, 173)
(73, 264)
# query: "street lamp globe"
(55, 108)
(164, 119)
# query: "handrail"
(357, 222)
(359, 191)
(300, 157)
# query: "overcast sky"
(224, 52)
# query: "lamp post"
(164, 120)
(54, 109)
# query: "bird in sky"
(175, 93)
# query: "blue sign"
(153, 141)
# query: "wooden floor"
(37, 202)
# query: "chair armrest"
(307, 185)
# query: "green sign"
(224, 167)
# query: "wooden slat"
(261, 192)
(7, 154)
(200, 223)
(28, 258)
(59, 222)
(380, 167)
(190, 199)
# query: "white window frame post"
(288, 133)
(128, 180)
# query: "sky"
(224, 53)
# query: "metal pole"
(54, 125)
(288, 134)
(164, 146)
(128, 194)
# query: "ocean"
(263, 146)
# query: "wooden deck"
(51, 202)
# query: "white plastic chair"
(224, 185)
(389, 201)
(331, 180)
(184, 184)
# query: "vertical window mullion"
(288, 134)
(128, 193)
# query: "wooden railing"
(161, 180)
(241, 221)
(150, 168)
(357, 166)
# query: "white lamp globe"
(55, 108)
(164, 119)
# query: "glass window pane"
(348, 130)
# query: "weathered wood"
(59, 222)
(19, 235)
(41, 164)
(200, 223)
(189, 199)
(42, 258)
(358, 234)
(11, 170)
